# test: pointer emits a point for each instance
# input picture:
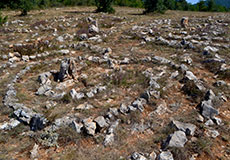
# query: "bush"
(129, 3)
(154, 6)
(104, 6)
(3, 19)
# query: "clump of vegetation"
(3, 19)
(104, 6)
(67, 135)
(154, 6)
(201, 145)
(179, 153)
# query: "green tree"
(23, 5)
(211, 5)
(182, 5)
(170, 4)
(201, 6)
(154, 6)
(104, 6)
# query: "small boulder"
(165, 155)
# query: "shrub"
(154, 6)
(104, 6)
(3, 19)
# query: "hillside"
(225, 3)
(80, 85)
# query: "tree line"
(106, 5)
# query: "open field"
(91, 86)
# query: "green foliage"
(202, 6)
(170, 4)
(182, 5)
(154, 6)
(3, 19)
(104, 6)
(129, 3)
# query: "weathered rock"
(84, 106)
(25, 58)
(89, 126)
(137, 156)
(77, 126)
(101, 122)
(207, 110)
(76, 95)
(209, 123)
(9, 125)
(93, 29)
(161, 108)
(109, 139)
(34, 152)
(37, 123)
(113, 126)
(188, 128)
(152, 156)
(43, 89)
(83, 37)
(166, 155)
(177, 139)
(212, 133)
(123, 108)
(67, 68)
(139, 104)
(44, 78)
(64, 51)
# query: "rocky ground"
(80, 85)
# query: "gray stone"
(190, 76)
(101, 122)
(60, 39)
(84, 106)
(43, 78)
(161, 60)
(93, 29)
(109, 139)
(177, 139)
(34, 152)
(76, 95)
(43, 89)
(9, 125)
(152, 156)
(209, 123)
(161, 108)
(137, 156)
(166, 155)
(207, 110)
(188, 128)
(77, 126)
(209, 48)
(200, 118)
(64, 51)
(210, 95)
(25, 58)
(217, 120)
(123, 108)
(113, 126)
(139, 104)
(212, 133)
(83, 37)
(89, 126)
(153, 84)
